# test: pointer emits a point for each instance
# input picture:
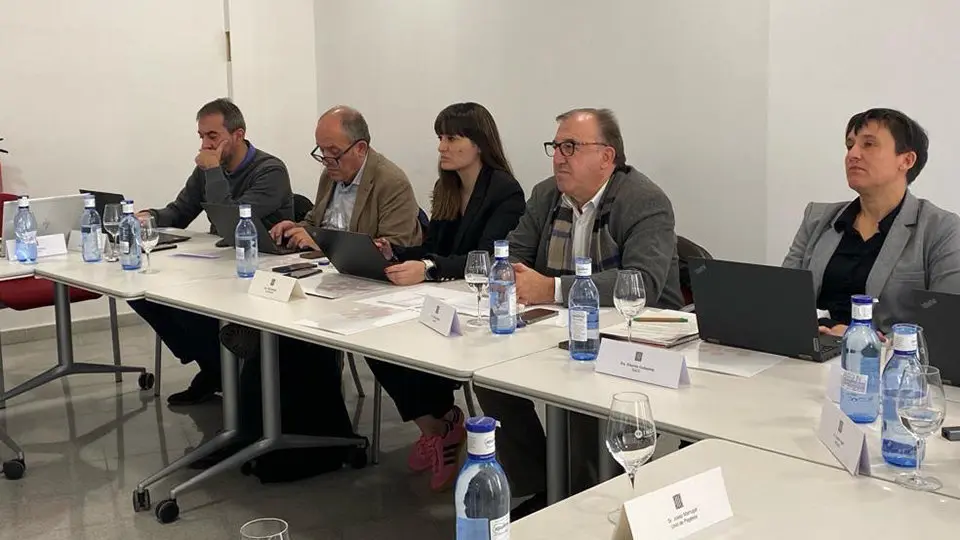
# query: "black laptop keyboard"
(829, 342)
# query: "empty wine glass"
(265, 529)
(629, 296)
(631, 435)
(111, 225)
(476, 274)
(921, 405)
(149, 236)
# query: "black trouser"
(189, 336)
(311, 401)
(414, 392)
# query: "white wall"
(687, 80)
(275, 81)
(829, 60)
(102, 95)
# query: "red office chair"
(28, 293)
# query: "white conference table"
(777, 410)
(772, 496)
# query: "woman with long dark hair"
(475, 202)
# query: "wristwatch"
(428, 269)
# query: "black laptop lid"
(939, 315)
(103, 198)
(351, 253)
(764, 308)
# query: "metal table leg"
(468, 397)
(65, 364)
(273, 438)
(115, 336)
(230, 382)
(557, 460)
(3, 402)
(377, 417)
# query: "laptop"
(351, 253)
(103, 198)
(225, 218)
(939, 315)
(54, 215)
(763, 308)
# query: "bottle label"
(905, 342)
(501, 251)
(512, 301)
(245, 211)
(500, 528)
(578, 325)
(861, 312)
(584, 269)
(481, 444)
(30, 237)
(853, 382)
(240, 252)
(124, 247)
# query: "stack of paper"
(358, 318)
(412, 299)
(660, 334)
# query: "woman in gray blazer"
(886, 242)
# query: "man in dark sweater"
(229, 171)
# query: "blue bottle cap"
(862, 299)
(481, 424)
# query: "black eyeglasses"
(567, 148)
(331, 161)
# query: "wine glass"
(629, 296)
(149, 236)
(921, 406)
(476, 274)
(265, 529)
(631, 435)
(111, 225)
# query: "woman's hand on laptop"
(384, 248)
(839, 329)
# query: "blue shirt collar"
(251, 151)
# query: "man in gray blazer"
(594, 206)
(885, 243)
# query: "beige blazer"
(386, 206)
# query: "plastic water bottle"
(503, 291)
(898, 446)
(584, 310)
(90, 226)
(860, 357)
(128, 238)
(245, 238)
(25, 230)
(482, 492)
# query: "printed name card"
(642, 363)
(440, 316)
(47, 246)
(275, 286)
(75, 241)
(676, 511)
(845, 439)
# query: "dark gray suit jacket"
(921, 251)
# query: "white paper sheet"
(728, 360)
(359, 318)
(333, 285)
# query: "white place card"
(845, 439)
(275, 286)
(440, 316)
(642, 363)
(833, 382)
(678, 510)
(47, 246)
(75, 241)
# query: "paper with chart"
(412, 299)
(333, 286)
(355, 317)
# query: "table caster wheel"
(141, 500)
(14, 469)
(167, 511)
(146, 381)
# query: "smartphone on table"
(287, 268)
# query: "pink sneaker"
(449, 455)
(423, 454)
